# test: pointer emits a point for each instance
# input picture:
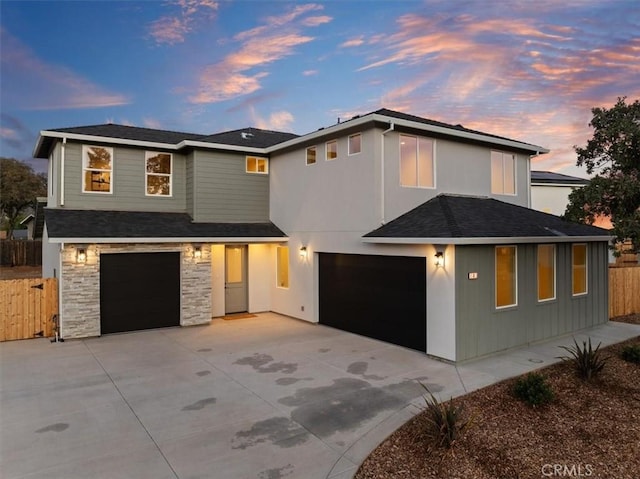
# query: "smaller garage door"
(383, 297)
(139, 291)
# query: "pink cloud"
(38, 85)
(280, 121)
(174, 29)
(352, 42)
(240, 72)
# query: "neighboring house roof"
(474, 220)
(27, 219)
(551, 178)
(123, 226)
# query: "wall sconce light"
(439, 259)
(81, 255)
(197, 251)
(303, 252)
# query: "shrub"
(588, 362)
(533, 389)
(445, 422)
(631, 353)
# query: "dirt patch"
(629, 318)
(20, 272)
(589, 430)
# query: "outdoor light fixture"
(303, 252)
(440, 259)
(81, 255)
(197, 251)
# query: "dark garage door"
(382, 297)
(139, 291)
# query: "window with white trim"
(257, 164)
(546, 272)
(355, 144)
(282, 266)
(578, 269)
(503, 173)
(158, 170)
(331, 148)
(97, 169)
(416, 161)
(311, 155)
(506, 276)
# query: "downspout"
(62, 155)
(382, 198)
(529, 184)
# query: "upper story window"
(506, 276)
(158, 173)
(332, 150)
(355, 144)
(546, 272)
(257, 164)
(97, 168)
(503, 173)
(579, 269)
(416, 162)
(311, 155)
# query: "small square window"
(256, 164)
(311, 155)
(332, 150)
(355, 144)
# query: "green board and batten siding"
(128, 178)
(482, 329)
(225, 192)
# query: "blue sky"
(528, 70)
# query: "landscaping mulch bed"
(591, 429)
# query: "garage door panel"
(139, 291)
(383, 297)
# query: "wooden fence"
(624, 290)
(28, 308)
(20, 253)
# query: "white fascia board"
(146, 144)
(104, 139)
(335, 129)
(498, 240)
(209, 239)
(221, 146)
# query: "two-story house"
(388, 225)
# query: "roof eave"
(487, 240)
(203, 239)
(378, 118)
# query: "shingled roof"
(63, 224)
(469, 217)
(553, 178)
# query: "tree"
(614, 154)
(19, 188)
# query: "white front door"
(235, 279)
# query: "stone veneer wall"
(80, 286)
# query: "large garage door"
(383, 297)
(139, 291)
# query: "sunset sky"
(527, 70)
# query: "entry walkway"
(264, 397)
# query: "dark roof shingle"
(451, 216)
(550, 177)
(63, 223)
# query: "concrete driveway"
(266, 397)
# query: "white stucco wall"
(550, 198)
(441, 314)
(261, 274)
